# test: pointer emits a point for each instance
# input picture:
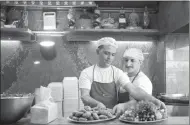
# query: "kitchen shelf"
(94, 34)
(50, 4)
(132, 31)
(22, 34)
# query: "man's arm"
(139, 94)
(88, 100)
(136, 92)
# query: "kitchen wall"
(177, 69)
(177, 63)
(172, 15)
(21, 72)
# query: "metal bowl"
(14, 108)
(174, 98)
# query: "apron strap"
(117, 88)
(93, 74)
(126, 93)
(135, 76)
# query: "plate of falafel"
(91, 115)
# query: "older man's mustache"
(128, 67)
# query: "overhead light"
(48, 50)
(47, 43)
(36, 62)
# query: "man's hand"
(101, 105)
(119, 109)
(160, 104)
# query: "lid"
(55, 84)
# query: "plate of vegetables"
(91, 115)
(143, 112)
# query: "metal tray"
(93, 121)
(142, 122)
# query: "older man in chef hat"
(99, 82)
(132, 61)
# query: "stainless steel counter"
(64, 121)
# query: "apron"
(105, 92)
(125, 97)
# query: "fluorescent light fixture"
(141, 42)
(36, 62)
(130, 42)
(10, 41)
(136, 42)
(50, 34)
(47, 43)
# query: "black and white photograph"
(112, 62)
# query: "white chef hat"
(134, 53)
(107, 41)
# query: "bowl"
(14, 108)
(174, 98)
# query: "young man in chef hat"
(132, 61)
(99, 82)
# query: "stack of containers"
(57, 95)
(71, 95)
(81, 105)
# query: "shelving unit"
(94, 34)
(142, 31)
(22, 34)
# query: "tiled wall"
(177, 63)
(169, 16)
(177, 69)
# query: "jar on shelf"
(122, 19)
(133, 21)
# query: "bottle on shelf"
(146, 19)
(71, 19)
(122, 19)
(96, 13)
